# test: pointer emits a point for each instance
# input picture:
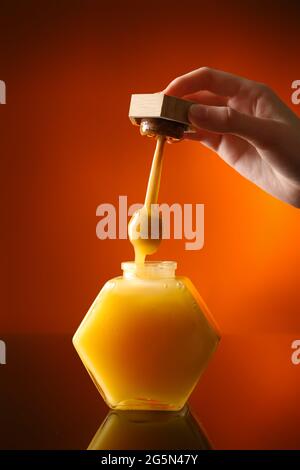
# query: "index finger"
(205, 78)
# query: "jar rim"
(150, 268)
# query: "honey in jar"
(147, 338)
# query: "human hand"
(247, 125)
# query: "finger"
(207, 97)
(209, 139)
(222, 119)
(230, 148)
(205, 78)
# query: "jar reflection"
(146, 430)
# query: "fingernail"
(197, 112)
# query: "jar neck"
(149, 270)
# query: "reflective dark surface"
(150, 430)
(48, 401)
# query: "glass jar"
(147, 338)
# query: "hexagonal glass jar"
(147, 338)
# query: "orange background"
(67, 146)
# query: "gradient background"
(67, 146)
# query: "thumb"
(223, 119)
